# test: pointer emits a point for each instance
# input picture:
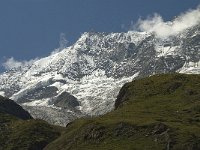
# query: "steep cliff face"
(94, 69)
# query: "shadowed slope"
(10, 107)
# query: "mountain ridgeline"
(92, 71)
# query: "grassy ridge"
(19, 134)
(159, 112)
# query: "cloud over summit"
(155, 24)
(11, 63)
(162, 29)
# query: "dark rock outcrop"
(66, 100)
(10, 107)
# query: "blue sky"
(31, 28)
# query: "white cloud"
(11, 63)
(164, 29)
(63, 42)
(55, 51)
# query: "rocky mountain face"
(85, 78)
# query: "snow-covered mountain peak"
(84, 79)
(91, 38)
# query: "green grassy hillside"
(18, 134)
(155, 113)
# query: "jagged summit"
(93, 70)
